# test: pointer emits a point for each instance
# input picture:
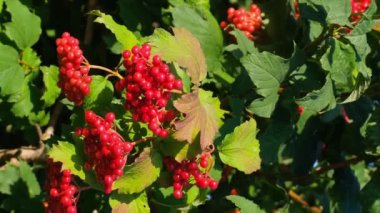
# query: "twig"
(297, 198)
(143, 140)
(89, 31)
(114, 73)
(34, 153)
(49, 131)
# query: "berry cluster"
(61, 192)
(357, 7)
(106, 149)
(247, 21)
(149, 84)
(183, 171)
(73, 76)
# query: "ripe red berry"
(177, 194)
(105, 148)
(73, 76)
(247, 21)
(148, 82)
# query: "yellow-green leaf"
(122, 34)
(141, 174)
(240, 149)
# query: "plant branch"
(114, 73)
(142, 140)
(297, 198)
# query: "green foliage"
(244, 204)
(141, 174)
(240, 149)
(308, 82)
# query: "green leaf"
(338, 12)
(370, 194)
(266, 71)
(340, 61)
(184, 77)
(141, 174)
(243, 43)
(73, 158)
(319, 100)
(25, 27)
(206, 29)
(179, 150)
(244, 204)
(27, 175)
(240, 149)
(129, 202)
(203, 116)
(122, 34)
(8, 176)
(101, 93)
(25, 99)
(30, 60)
(11, 73)
(182, 48)
(50, 78)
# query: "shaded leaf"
(202, 116)
(319, 100)
(50, 78)
(11, 73)
(101, 93)
(266, 71)
(240, 149)
(27, 175)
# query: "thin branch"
(143, 140)
(49, 131)
(114, 73)
(297, 198)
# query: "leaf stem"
(142, 140)
(105, 69)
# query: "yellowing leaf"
(182, 48)
(240, 149)
(203, 116)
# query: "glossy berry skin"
(249, 22)
(148, 83)
(187, 170)
(73, 76)
(105, 148)
(358, 7)
(61, 196)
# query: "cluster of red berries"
(73, 76)
(148, 84)
(358, 7)
(183, 171)
(247, 21)
(61, 192)
(106, 149)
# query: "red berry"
(177, 194)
